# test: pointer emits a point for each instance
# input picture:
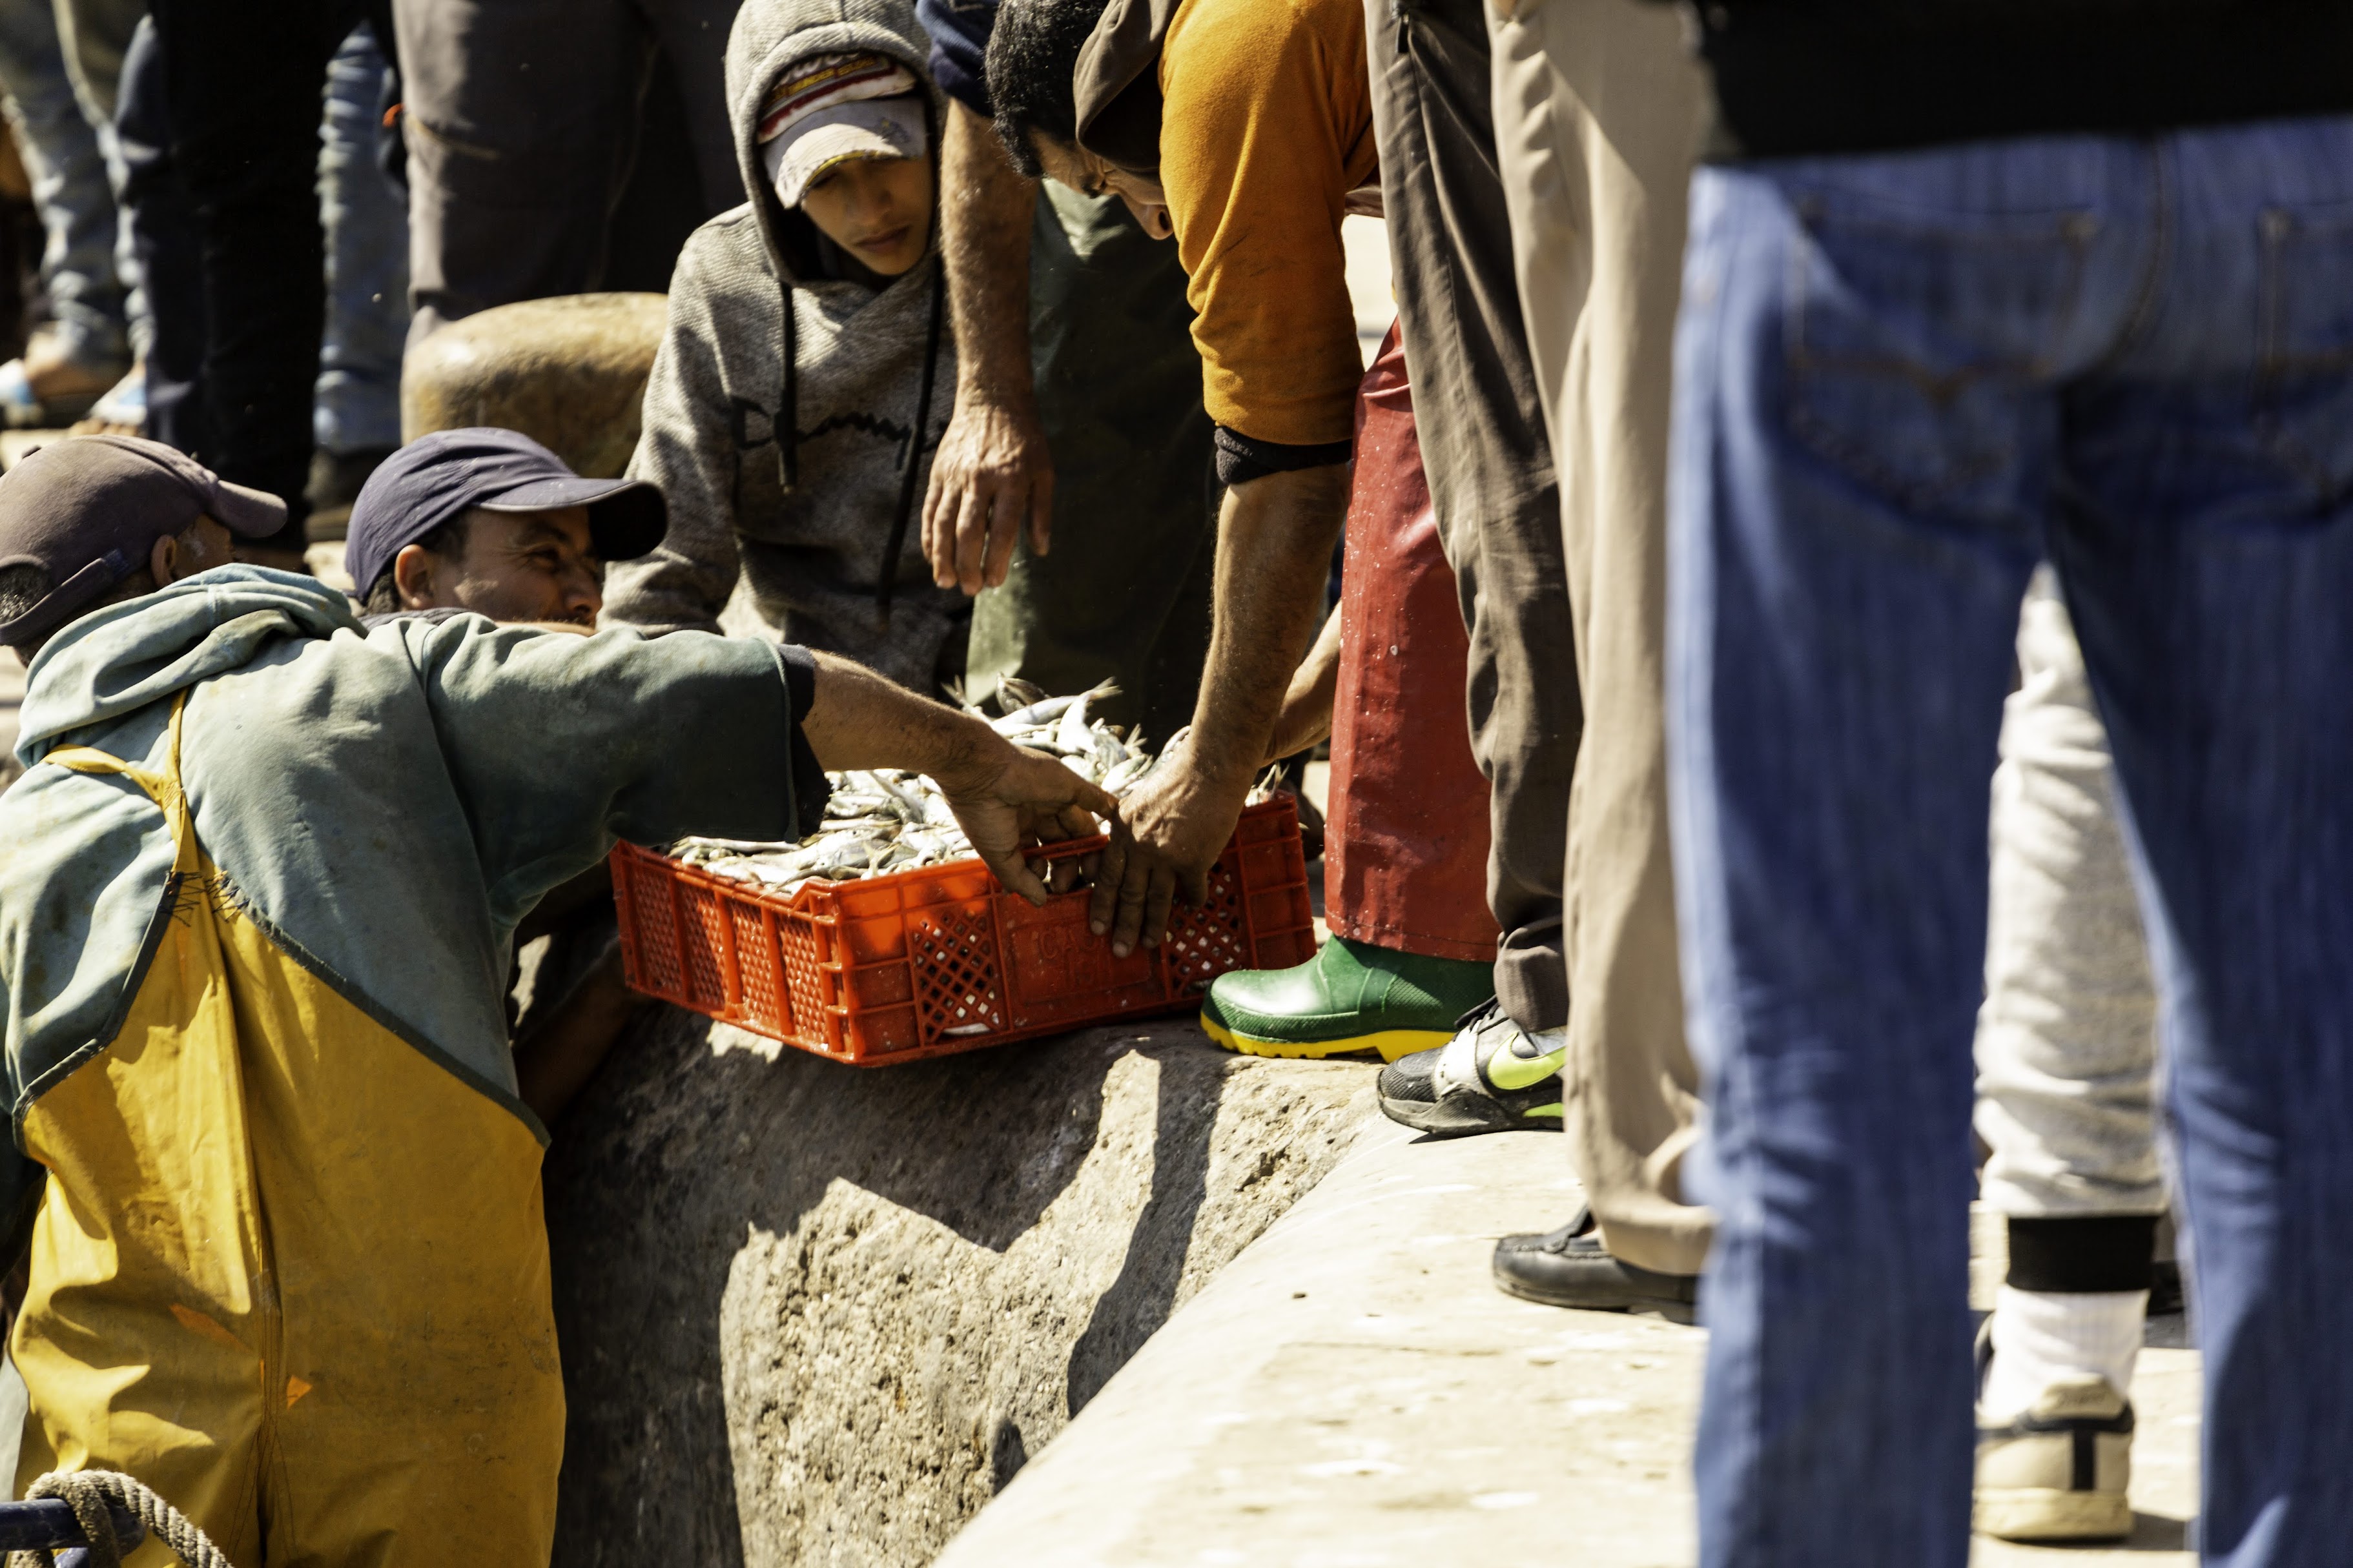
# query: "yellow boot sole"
(1391, 1043)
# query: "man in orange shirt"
(1245, 133)
(1248, 130)
(1279, 355)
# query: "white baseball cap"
(873, 128)
(829, 109)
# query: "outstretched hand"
(991, 477)
(1020, 799)
(1173, 823)
(1004, 799)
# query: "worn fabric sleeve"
(688, 451)
(1241, 459)
(1262, 136)
(558, 744)
(959, 30)
(811, 788)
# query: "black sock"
(2082, 1254)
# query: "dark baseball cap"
(439, 476)
(88, 510)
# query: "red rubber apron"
(1406, 844)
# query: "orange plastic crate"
(924, 963)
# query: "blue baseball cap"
(437, 478)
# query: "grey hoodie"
(778, 418)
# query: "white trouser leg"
(2066, 1042)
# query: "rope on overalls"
(87, 1491)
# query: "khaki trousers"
(1598, 112)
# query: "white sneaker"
(2060, 1469)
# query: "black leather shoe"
(1568, 1267)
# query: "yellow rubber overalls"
(288, 1270)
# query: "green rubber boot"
(1351, 997)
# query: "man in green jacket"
(259, 886)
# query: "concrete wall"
(816, 1314)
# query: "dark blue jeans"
(1901, 381)
(243, 80)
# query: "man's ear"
(412, 577)
(192, 549)
(163, 562)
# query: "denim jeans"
(357, 402)
(245, 78)
(1901, 380)
(67, 162)
(159, 216)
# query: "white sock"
(2041, 1336)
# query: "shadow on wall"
(809, 1311)
(675, 1158)
(1141, 1298)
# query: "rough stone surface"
(819, 1315)
(569, 371)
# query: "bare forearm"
(1005, 797)
(992, 477)
(1274, 549)
(984, 240)
(858, 719)
(1307, 716)
(1274, 553)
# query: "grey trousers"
(1124, 592)
(2066, 1042)
(95, 35)
(65, 156)
(1489, 465)
(1598, 112)
(521, 126)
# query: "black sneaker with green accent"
(1492, 1077)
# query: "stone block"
(815, 1314)
(568, 371)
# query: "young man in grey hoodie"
(807, 376)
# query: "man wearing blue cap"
(277, 1193)
(489, 520)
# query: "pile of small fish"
(881, 820)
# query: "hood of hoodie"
(128, 656)
(770, 35)
(84, 857)
(1117, 83)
